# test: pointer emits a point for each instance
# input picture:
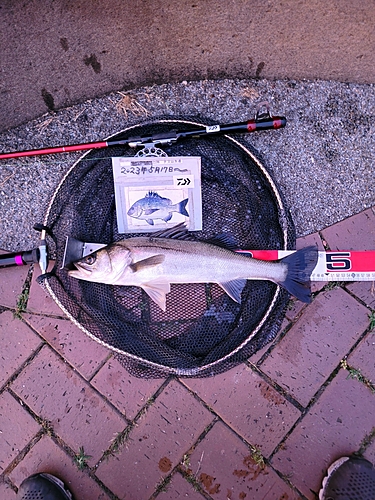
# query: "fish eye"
(90, 259)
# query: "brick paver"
(354, 233)
(73, 344)
(365, 291)
(39, 300)
(179, 488)
(17, 343)
(11, 284)
(156, 445)
(293, 402)
(225, 468)
(335, 426)
(76, 412)
(17, 429)
(255, 358)
(249, 405)
(129, 394)
(7, 492)
(363, 359)
(294, 309)
(312, 349)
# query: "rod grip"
(18, 258)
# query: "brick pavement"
(265, 429)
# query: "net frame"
(264, 329)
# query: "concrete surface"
(55, 54)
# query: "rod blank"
(267, 123)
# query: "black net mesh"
(202, 332)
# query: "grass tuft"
(22, 303)
(356, 374)
(81, 458)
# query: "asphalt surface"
(322, 160)
(64, 64)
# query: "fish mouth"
(79, 271)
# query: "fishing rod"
(37, 255)
(262, 121)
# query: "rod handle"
(19, 258)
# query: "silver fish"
(153, 206)
(154, 263)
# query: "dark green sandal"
(43, 486)
(349, 478)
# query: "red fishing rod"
(262, 121)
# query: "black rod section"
(265, 122)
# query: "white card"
(154, 193)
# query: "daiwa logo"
(212, 128)
(183, 181)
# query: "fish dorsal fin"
(157, 291)
(224, 240)
(149, 262)
(178, 232)
(155, 195)
(234, 289)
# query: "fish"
(171, 256)
(153, 206)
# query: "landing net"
(203, 332)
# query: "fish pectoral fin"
(150, 211)
(149, 262)
(150, 221)
(167, 217)
(157, 291)
(234, 289)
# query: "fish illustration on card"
(153, 206)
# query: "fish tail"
(181, 207)
(300, 266)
